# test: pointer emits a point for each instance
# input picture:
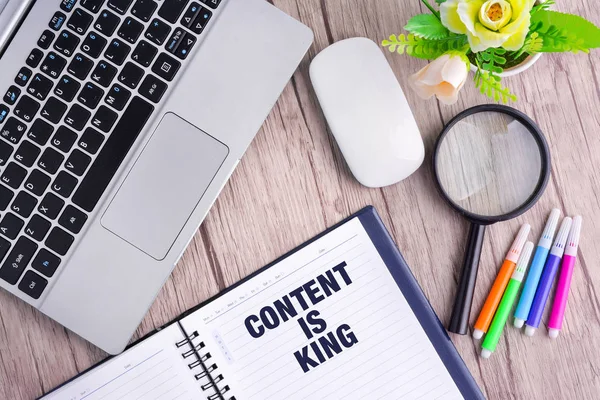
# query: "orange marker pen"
(508, 267)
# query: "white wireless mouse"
(367, 112)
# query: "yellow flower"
(491, 23)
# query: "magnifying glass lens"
(489, 164)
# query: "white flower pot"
(517, 69)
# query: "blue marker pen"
(535, 271)
(550, 269)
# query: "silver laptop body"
(126, 238)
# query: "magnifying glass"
(491, 163)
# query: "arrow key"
(185, 47)
(190, 15)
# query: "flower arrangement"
(491, 35)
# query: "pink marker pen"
(564, 281)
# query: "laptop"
(120, 123)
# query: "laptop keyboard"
(77, 105)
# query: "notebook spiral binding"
(205, 366)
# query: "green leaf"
(440, 1)
(491, 86)
(569, 30)
(542, 6)
(427, 49)
(427, 26)
(533, 44)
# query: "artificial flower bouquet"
(491, 35)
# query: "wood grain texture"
(293, 183)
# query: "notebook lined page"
(151, 370)
(327, 322)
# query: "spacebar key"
(112, 154)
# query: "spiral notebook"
(339, 317)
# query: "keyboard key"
(63, 139)
(33, 284)
(117, 51)
(66, 43)
(37, 182)
(64, 184)
(174, 40)
(190, 14)
(37, 228)
(90, 95)
(13, 175)
(51, 205)
(67, 5)
(92, 5)
(53, 65)
(23, 76)
(4, 247)
(50, 161)
(3, 113)
(119, 6)
(6, 196)
(77, 117)
(54, 110)
(204, 15)
(166, 66)
(153, 88)
(185, 46)
(117, 97)
(45, 39)
(104, 73)
(104, 119)
(107, 23)
(40, 132)
(78, 162)
(93, 45)
(12, 94)
(67, 88)
(144, 53)
(57, 21)
(157, 31)
(13, 130)
(17, 260)
(113, 153)
(40, 86)
(26, 108)
(211, 3)
(91, 140)
(5, 152)
(172, 9)
(72, 219)
(144, 9)
(11, 225)
(80, 66)
(34, 58)
(27, 153)
(46, 263)
(24, 204)
(130, 30)
(80, 21)
(131, 75)
(59, 241)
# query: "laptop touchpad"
(164, 186)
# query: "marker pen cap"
(515, 250)
(558, 248)
(523, 262)
(573, 239)
(549, 229)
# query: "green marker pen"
(506, 304)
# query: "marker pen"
(508, 267)
(564, 280)
(537, 266)
(491, 338)
(543, 290)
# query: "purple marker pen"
(550, 269)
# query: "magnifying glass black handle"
(459, 321)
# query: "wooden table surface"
(293, 183)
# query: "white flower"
(443, 77)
